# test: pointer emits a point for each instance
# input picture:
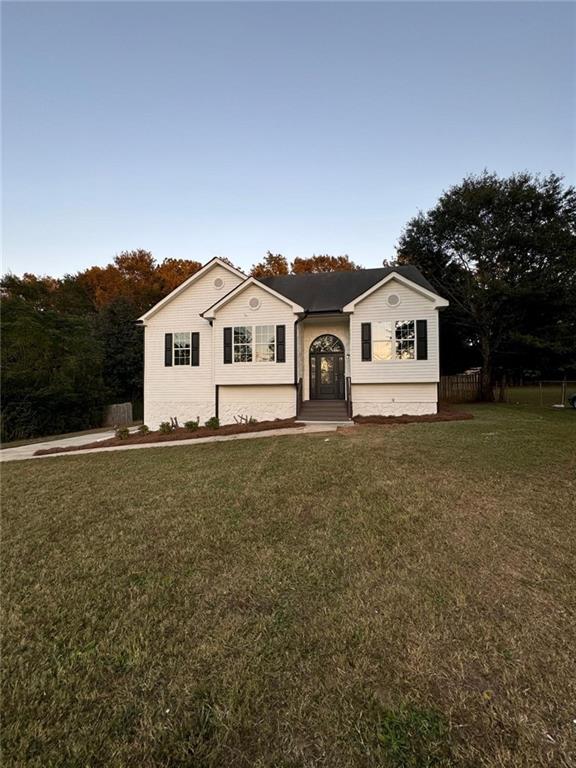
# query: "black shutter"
(421, 339)
(195, 348)
(227, 345)
(167, 349)
(280, 343)
(366, 341)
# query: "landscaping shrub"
(143, 429)
(165, 427)
(122, 433)
(213, 423)
(191, 426)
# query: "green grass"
(395, 596)
(547, 396)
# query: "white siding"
(413, 306)
(264, 403)
(272, 311)
(394, 399)
(309, 330)
(184, 392)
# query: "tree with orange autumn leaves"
(276, 264)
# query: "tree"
(173, 272)
(51, 371)
(503, 251)
(272, 264)
(122, 342)
(71, 345)
(323, 263)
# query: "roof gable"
(210, 312)
(192, 279)
(394, 276)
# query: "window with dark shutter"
(227, 345)
(167, 349)
(195, 348)
(280, 343)
(366, 341)
(421, 339)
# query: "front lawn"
(395, 596)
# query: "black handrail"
(299, 396)
(349, 396)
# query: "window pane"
(264, 353)
(242, 353)
(326, 370)
(265, 334)
(243, 335)
(382, 350)
(405, 329)
(327, 343)
(382, 331)
(405, 349)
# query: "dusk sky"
(202, 129)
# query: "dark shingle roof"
(331, 291)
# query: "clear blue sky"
(196, 130)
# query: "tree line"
(502, 250)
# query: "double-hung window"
(243, 344)
(254, 343)
(405, 340)
(182, 349)
(265, 336)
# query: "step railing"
(299, 396)
(349, 396)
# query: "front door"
(327, 376)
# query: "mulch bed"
(174, 436)
(444, 414)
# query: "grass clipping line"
(177, 434)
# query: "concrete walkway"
(27, 451)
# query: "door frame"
(339, 369)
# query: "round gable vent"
(254, 303)
(393, 300)
(218, 283)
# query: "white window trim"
(252, 344)
(394, 340)
(174, 363)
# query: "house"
(316, 346)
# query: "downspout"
(298, 321)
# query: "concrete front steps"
(328, 411)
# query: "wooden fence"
(461, 388)
(118, 415)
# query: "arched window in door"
(326, 344)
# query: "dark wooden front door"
(327, 376)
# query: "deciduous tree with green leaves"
(503, 251)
